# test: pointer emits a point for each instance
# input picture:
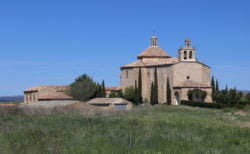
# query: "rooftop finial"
(154, 41)
(187, 42)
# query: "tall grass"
(160, 129)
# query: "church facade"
(184, 73)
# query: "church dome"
(154, 51)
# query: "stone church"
(184, 72)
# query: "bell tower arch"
(187, 52)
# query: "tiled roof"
(55, 96)
(192, 84)
(153, 52)
(113, 88)
(152, 62)
(56, 87)
(108, 101)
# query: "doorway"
(177, 98)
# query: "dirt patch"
(241, 113)
(243, 124)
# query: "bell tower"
(187, 52)
(154, 41)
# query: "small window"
(148, 74)
(190, 54)
(188, 77)
(185, 54)
(126, 74)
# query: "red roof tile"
(113, 88)
(152, 62)
(56, 87)
(153, 52)
(55, 96)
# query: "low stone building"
(46, 93)
(116, 104)
(184, 72)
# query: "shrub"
(197, 95)
(248, 97)
(129, 94)
(115, 94)
(210, 105)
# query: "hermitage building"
(184, 73)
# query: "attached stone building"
(184, 73)
(46, 93)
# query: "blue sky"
(54, 41)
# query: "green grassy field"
(158, 129)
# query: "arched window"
(185, 54)
(190, 54)
(126, 74)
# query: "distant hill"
(7, 99)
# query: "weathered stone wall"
(206, 75)
(30, 97)
(196, 72)
(162, 74)
(147, 78)
(127, 78)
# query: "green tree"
(103, 91)
(84, 88)
(113, 94)
(217, 86)
(156, 86)
(136, 93)
(152, 93)
(197, 95)
(116, 94)
(168, 92)
(129, 94)
(119, 94)
(139, 86)
(234, 96)
(154, 90)
(223, 97)
(213, 89)
(247, 96)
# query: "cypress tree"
(152, 94)
(136, 93)
(168, 92)
(103, 92)
(156, 87)
(217, 86)
(213, 88)
(140, 86)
